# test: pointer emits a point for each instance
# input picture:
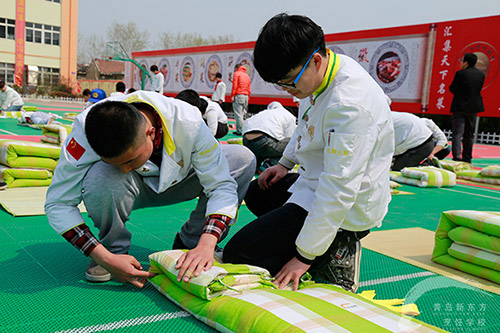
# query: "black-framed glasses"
(293, 85)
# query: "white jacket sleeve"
(288, 159)
(212, 122)
(349, 133)
(437, 134)
(65, 191)
(212, 169)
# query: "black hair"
(131, 90)
(2, 84)
(86, 92)
(471, 59)
(284, 43)
(113, 127)
(120, 86)
(153, 68)
(203, 105)
(190, 96)
(218, 75)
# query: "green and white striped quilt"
(488, 175)
(313, 308)
(427, 176)
(22, 177)
(469, 241)
(26, 154)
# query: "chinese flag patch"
(75, 149)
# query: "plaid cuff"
(216, 224)
(82, 238)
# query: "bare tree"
(90, 47)
(171, 40)
(129, 35)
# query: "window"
(48, 76)
(7, 28)
(35, 31)
(7, 73)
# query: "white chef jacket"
(157, 82)
(344, 144)
(275, 121)
(437, 135)
(10, 97)
(187, 143)
(409, 131)
(214, 115)
(220, 92)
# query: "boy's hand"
(193, 262)
(271, 175)
(123, 267)
(292, 271)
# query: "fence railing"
(488, 138)
(53, 98)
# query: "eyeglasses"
(293, 85)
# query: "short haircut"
(218, 75)
(131, 90)
(153, 68)
(86, 92)
(113, 127)
(284, 43)
(2, 84)
(237, 66)
(470, 58)
(120, 86)
(190, 96)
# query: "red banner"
(20, 26)
(455, 38)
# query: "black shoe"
(237, 133)
(341, 263)
(178, 244)
(3, 185)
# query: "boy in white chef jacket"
(343, 143)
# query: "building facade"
(38, 42)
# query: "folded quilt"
(454, 166)
(427, 176)
(26, 154)
(488, 175)
(221, 279)
(469, 241)
(315, 307)
(55, 133)
(22, 177)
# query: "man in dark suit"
(467, 102)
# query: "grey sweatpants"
(110, 196)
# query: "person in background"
(130, 90)
(239, 95)
(441, 146)
(466, 104)
(119, 89)
(211, 112)
(10, 100)
(219, 94)
(413, 140)
(157, 80)
(268, 132)
(96, 95)
(86, 95)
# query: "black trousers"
(413, 157)
(463, 135)
(269, 241)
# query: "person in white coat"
(268, 132)
(9, 98)
(157, 80)
(143, 150)
(413, 140)
(219, 95)
(344, 144)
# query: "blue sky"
(243, 19)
